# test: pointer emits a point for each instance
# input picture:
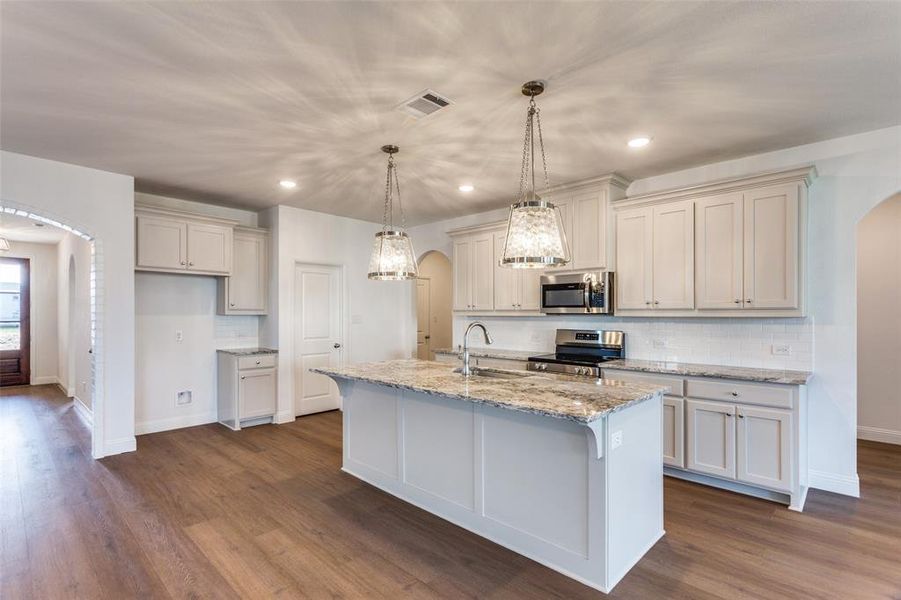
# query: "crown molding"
(145, 209)
(805, 175)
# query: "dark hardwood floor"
(206, 512)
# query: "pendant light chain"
(390, 190)
(527, 170)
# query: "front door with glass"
(14, 322)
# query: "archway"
(434, 305)
(95, 326)
(879, 323)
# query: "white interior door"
(317, 337)
(423, 319)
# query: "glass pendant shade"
(4, 245)
(392, 258)
(535, 236)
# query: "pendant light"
(392, 258)
(535, 235)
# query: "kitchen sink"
(494, 373)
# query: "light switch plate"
(616, 440)
(179, 335)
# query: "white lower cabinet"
(674, 432)
(764, 441)
(247, 388)
(711, 438)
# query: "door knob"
(336, 345)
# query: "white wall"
(166, 303)
(74, 320)
(879, 323)
(376, 311)
(855, 173)
(42, 258)
(101, 204)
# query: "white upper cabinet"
(771, 247)
(483, 271)
(210, 248)
(246, 290)
(589, 230)
(171, 241)
(733, 248)
(719, 243)
(514, 289)
(673, 256)
(162, 243)
(634, 278)
(462, 260)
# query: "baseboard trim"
(179, 422)
(81, 409)
(284, 417)
(838, 484)
(45, 380)
(877, 434)
(126, 444)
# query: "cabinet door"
(248, 283)
(529, 289)
(633, 258)
(718, 252)
(462, 273)
(256, 393)
(564, 206)
(673, 255)
(162, 243)
(771, 247)
(765, 447)
(589, 226)
(482, 271)
(674, 432)
(209, 248)
(711, 438)
(506, 279)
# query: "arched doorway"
(879, 323)
(434, 304)
(91, 330)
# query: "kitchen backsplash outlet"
(734, 342)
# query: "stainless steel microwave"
(588, 293)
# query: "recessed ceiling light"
(639, 142)
(466, 187)
(288, 184)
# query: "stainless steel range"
(581, 352)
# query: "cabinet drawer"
(675, 386)
(776, 395)
(259, 361)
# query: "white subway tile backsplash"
(739, 342)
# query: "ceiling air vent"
(423, 104)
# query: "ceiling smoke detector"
(423, 104)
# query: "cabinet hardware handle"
(258, 362)
(656, 301)
(748, 300)
(735, 394)
(728, 414)
(337, 345)
(182, 263)
(231, 303)
(741, 416)
(737, 301)
(243, 376)
(190, 264)
(648, 302)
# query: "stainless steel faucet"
(466, 371)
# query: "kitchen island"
(565, 471)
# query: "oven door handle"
(586, 295)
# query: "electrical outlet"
(659, 343)
(179, 335)
(781, 350)
(616, 440)
(183, 397)
(84, 386)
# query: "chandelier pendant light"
(535, 236)
(392, 257)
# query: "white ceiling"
(23, 229)
(217, 101)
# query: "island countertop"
(559, 396)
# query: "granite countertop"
(718, 371)
(247, 351)
(522, 355)
(560, 396)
